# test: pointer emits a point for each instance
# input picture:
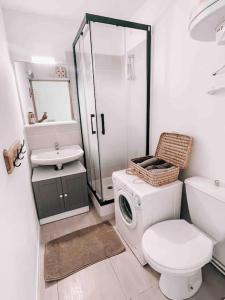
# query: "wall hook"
(13, 155)
(21, 148)
(15, 165)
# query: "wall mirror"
(45, 93)
(52, 97)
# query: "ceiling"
(75, 9)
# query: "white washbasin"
(51, 156)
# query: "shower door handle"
(92, 129)
(103, 123)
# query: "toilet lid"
(178, 245)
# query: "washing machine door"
(126, 209)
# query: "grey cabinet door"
(75, 191)
(49, 197)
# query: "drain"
(109, 187)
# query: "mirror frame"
(53, 80)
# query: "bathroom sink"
(52, 156)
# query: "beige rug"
(77, 250)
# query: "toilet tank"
(206, 203)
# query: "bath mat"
(79, 249)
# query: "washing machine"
(139, 205)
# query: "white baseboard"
(218, 265)
(64, 215)
(105, 211)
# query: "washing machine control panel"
(118, 185)
(121, 186)
(137, 201)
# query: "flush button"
(217, 182)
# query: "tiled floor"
(118, 278)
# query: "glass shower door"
(119, 57)
(87, 105)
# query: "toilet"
(177, 249)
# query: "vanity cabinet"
(49, 197)
(73, 188)
(60, 192)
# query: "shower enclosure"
(112, 64)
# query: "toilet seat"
(176, 247)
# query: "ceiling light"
(46, 60)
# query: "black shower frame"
(117, 22)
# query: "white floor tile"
(133, 277)
(47, 232)
(47, 291)
(71, 224)
(97, 282)
(150, 294)
(119, 278)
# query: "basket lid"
(174, 148)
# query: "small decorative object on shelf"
(43, 118)
(61, 71)
(14, 155)
(31, 118)
(30, 74)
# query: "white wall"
(31, 34)
(181, 69)
(19, 229)
(23, 86)
(45, 136)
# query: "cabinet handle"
(65, 195)
(60, 196)
(92, 129)
(103, 123)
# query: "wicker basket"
(173, 148)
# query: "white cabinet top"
(49, 172)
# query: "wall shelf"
(49, 79)
(216, 90)
(44, 124)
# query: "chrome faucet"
(56, 146)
